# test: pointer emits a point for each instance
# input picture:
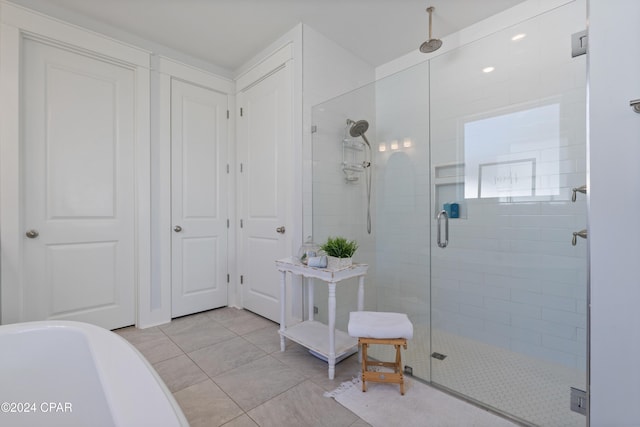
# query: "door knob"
(280, 229)
(32, 234)
(177, 229)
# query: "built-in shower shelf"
(448, 187)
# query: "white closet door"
(79, 175)
(198, 198)
(265, 153)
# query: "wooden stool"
(384, 329)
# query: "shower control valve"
(576, 234)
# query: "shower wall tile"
(571, 346)
(545, 353)
(516, 252)
(564, 317)
(487, 314)
(513, 279)
(551, 301)
(544, 327)
(512, 307)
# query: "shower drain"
(438, 356)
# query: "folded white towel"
(375, 324)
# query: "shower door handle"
(442, 244)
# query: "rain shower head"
(432, 44)
(358, 129)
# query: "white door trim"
(17, 23)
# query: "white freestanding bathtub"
(60, 373)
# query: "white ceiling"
(227, 33)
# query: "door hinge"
(227, 114)
(241, 279)
(579, 43)
(227, 222)
(579, 401)
(227, 167)
(228, 278)
(241, 224)
(241, 168)
(241, 112)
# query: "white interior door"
(198, 198)
(264, 134)
(78, 194)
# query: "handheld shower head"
(358, 129)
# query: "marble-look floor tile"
(249, 324)
(218, 358)
(205, 405)
(360, 423)
(193, 333)
(298, 357)
(302, 405)
(159, 350)
(268, 339)
(154, 345)
(244, 322)
(241, 421)
(179, 372)
(226, 314)
(256, 382)
(135, 335)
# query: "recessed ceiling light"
(518, 37)
(488, 69)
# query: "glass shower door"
(508, 160)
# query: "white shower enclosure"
(492, 133)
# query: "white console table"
(322, 339)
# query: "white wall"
(614, 239)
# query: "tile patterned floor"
(225, 368)
(527, 388)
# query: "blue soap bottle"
(454, 210)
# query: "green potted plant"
(339, 252)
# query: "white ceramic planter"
(334, 263)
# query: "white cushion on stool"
(375, 324)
